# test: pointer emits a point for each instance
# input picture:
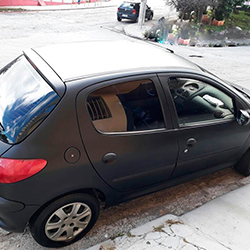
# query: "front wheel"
(65, 220)
(243, 166)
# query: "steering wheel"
(150, 89)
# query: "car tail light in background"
(134, 11)
(119, 9)
(14, 170)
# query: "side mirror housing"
(243, 117)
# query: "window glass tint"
(25, 99)
(197, 101)
(131, 106)
(128, 5)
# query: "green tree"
(238, 3)
(224, 9)
(186, 7)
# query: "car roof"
(80, 60)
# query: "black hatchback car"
(130, 10)
(76, 131)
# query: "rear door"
(126, 130)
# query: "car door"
(204, 115)
(126, 130)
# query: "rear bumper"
(127, 16)
(14, 216)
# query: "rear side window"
(25, 100)
(124, 107)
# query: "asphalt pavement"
(223, 223)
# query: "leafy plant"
(241, 20)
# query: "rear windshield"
(25, 100)
(128, 5)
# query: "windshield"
(25, 100)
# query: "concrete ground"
(221, 224)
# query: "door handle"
(191, 143)
(109, 158)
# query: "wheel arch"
(98, 194)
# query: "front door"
(125, 128)
(204, 112)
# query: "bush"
(241, 20)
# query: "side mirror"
(243, 117)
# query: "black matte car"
(78, 131)
(130, 10)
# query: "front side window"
(25, 99)
(196, 101)
(130, 106)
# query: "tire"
(119, 19)
(243, 166)
(136, 19)
(65, 220)
(150, 17)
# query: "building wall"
(39, 2)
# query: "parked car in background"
(72, 138)
(130, 10)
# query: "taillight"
(134, 11)
(13, 170)
(119, 9)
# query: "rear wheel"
(119, 19)
(65, 220)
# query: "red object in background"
(35, 2)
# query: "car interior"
(196, 101)
(131, 106)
